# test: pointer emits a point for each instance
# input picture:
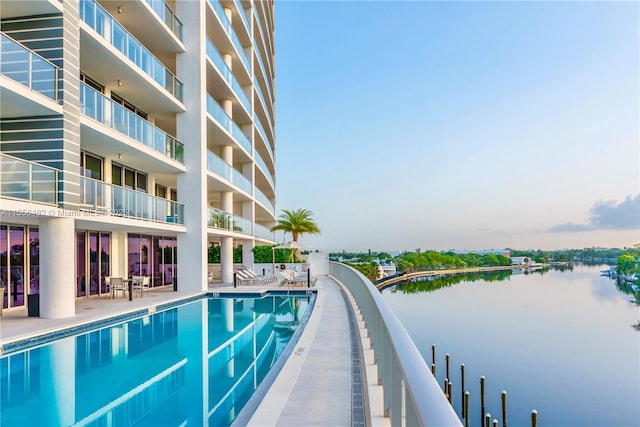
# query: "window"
(91, 83)
(129, 178)
(90, 166)
(119, 100)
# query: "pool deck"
(316, 384)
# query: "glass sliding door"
(94, 264)
(34, 261)
(81, 264)
(105, 266)
(4, 265)
(16, 266)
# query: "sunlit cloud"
(608, 215)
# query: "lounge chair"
(264, 280)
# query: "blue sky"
(466, 125)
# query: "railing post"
(30, 71)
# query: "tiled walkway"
(316, 385)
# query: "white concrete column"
(248, 211)
(226, 259)
(228, 59)
(192, 129)
(119, 254)
(57, 268)
(247, 254)
(227, 106)
(229, 14)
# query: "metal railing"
(102, 109)
(221, 168)
(24, 180)
(26, 67)
(216, 111)
(411, 395)
(109, 199)
(162, 9)
(228, 221)
(106, 26)
(216, 58)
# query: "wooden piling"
(462, 389)
(446, 358)
(481, 399)
(487, 420)
(534, 418)
(504, 408)
(466, 408)
(450, 392)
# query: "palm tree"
(297, 223)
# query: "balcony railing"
(260, 196)
(109, 199)
(165, 13)
(28, 68)
(263, 134)
(221, 168)
(411, 395)
(216, 111)
(265, 169)
(216, 58)
(100, 108)
(101, 22)
(227, 221)
(243, 15)
(264, 233)
(264, 73)
(262, 37)
(219, 10)
(28, 181)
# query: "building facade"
(134, 135)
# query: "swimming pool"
(194, 364)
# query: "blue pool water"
(195, 364)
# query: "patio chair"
(116, 285)
(136, 284)
(145, 286)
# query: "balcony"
(265, 202)
(28, 181)
(99, 20)
(219, 11)
(216, 58)
(31, 87)
(221, 168)
(100, 108)
(263, 232)
(168, 17)
(265, 169)
(218, 114)
(263, 135)
(227, 221)
(108, 199)
(243, 16)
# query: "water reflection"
(556, 340)
(196, 364)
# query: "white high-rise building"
(135, 135)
